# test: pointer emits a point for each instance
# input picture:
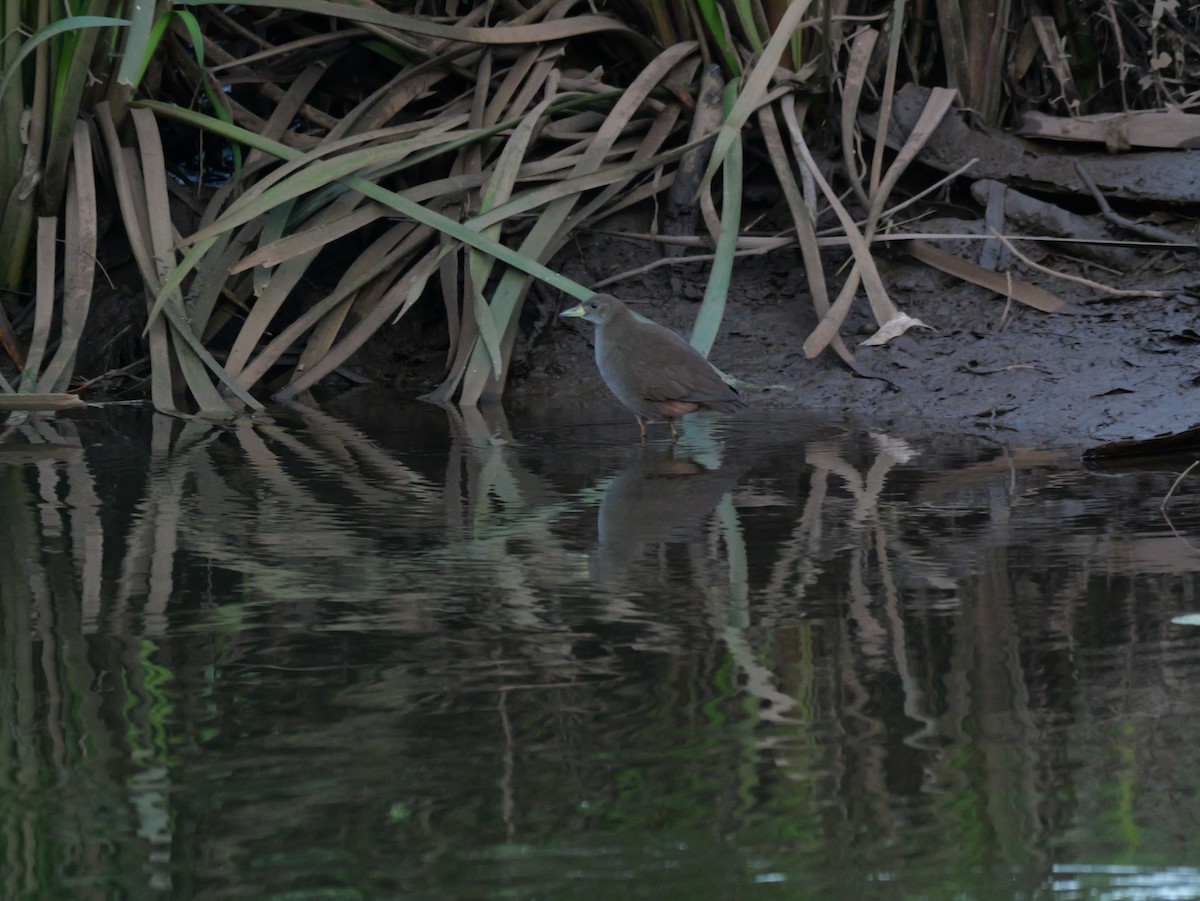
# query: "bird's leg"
(674, 435)
(641, 428)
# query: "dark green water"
(387, 651)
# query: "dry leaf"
(893, 328)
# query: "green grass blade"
(712, 307)
(138, 44)
(719, 32)
(756, 85)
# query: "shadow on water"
(381, 650)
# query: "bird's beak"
(576, 312)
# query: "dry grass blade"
(954, 47)
(546, 233)
(310, 173)
(1028, 294)
(888, 97)
(618, 194)
(318, 235)
(1047, 34)
(889, 319)
(403, 293)
(80, 232)
(574, 185)
(805, 232)
(282, 282)
(864, 265)
(126, 176)
(939, 103)
(401, 243)
(43, 319)
(189, 353)
(499, 188)
(371, 190)
(368, 279)
(543, 32)
(855, 80)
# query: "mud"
(1127, 368)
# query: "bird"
(652, 371)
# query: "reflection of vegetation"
(840, 665)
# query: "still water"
(385, 650)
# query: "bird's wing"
(686, 377)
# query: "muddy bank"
(1126, 368)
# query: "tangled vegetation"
(443, 153)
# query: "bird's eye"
(594, 305)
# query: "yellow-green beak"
(575, 312)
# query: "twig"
(1175, 484)
(1146, 231)
(888, 214)
(694, 258)
(1078, 279)
(830, 238)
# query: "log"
(1117, 131)
(1155, 176)
(1038, 217)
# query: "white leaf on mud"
(893, 328)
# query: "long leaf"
(43, 318)
(402, 294)
(390, 199)
(514, 284)
(544, 32)
(282, 282)
(127, 181)
(500, 186)
(71, 23)
(138, 45)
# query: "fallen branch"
(1154, 233)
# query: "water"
(388, 651)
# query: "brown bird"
(651, 370)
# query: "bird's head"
(599, 308)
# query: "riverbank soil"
(1124, 367)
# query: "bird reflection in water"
(660, 497)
